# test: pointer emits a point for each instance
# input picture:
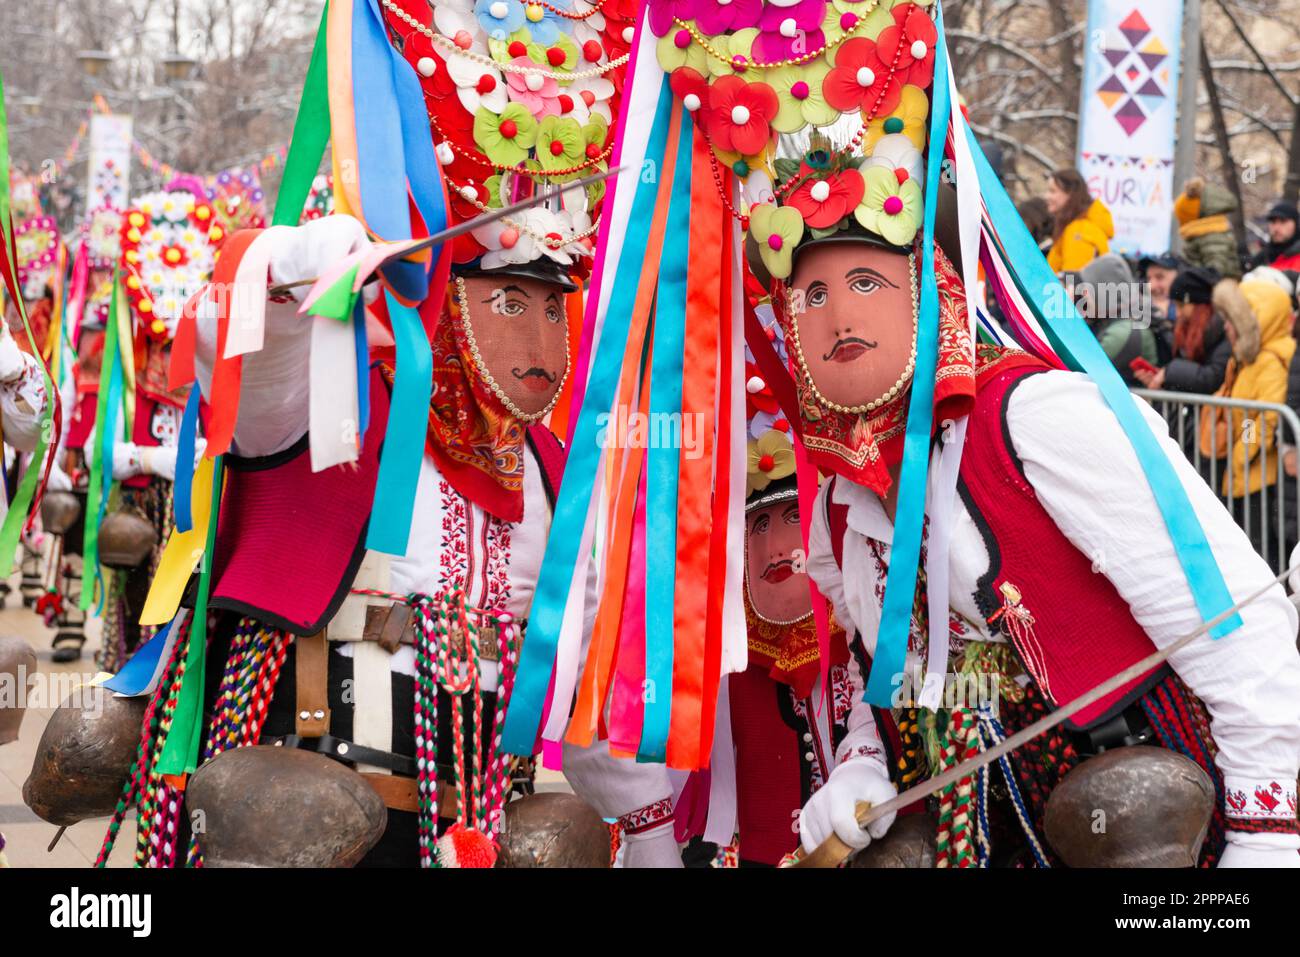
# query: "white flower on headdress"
(596, 20)
(472, 86)
(451, 19)
(506, 244)
(466, 6)
(894, 152)
(598, 90)
(758, 187)
(546, 223)
(575, 223)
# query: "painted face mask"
(854, 308)
(518, 338)
(775, 576)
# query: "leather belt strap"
(402, 794)
(392, 626)
(311, 669)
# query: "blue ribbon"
(182, 509)
(662, 465)
(408, 419)
(390, 110)
(889, 660)
(537, 656)
(1079, 348)
(363, 368)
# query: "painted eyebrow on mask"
(868, 273)
(504, 289)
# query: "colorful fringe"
(955, 846)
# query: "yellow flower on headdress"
(768, 458)
(837, 24)
(777, 231)
(738, 44)
(889, 208)
(799, 91)
(677, 48)
(911, 118)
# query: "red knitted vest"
(1071, 629)
(769, 779)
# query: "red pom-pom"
(464, 847)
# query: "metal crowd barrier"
(1270, 516)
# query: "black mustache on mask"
(841, 343)
(534, 371)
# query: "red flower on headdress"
(823, 202)
(740, 114)
(909, 43)
(860, 80)
(692, 89)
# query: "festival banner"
(1128, 116)
(110, 161)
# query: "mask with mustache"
(775, 576)
(854, 311)
(519, 338)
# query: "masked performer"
(378, 667)
(1060, 568)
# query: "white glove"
(1260, 850)
(833, 808)
(310, 249)
(656, 847)
(12, 361)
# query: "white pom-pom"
(755, 385)
(789, 28)
(919, 50)
(821, 191)
(500, 9)
(534, 82)
(628, 34)
(866, 77)
(691, 102)
(724, 3)
(468, 193)
(426, 65)
(740, 115)
(446, 155)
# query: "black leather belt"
(1131, 726)
(349, 751)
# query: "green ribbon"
(311, 132)
(17, 514)
(180, 753)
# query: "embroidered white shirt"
(1088, 479)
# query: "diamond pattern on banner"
(1135, 89)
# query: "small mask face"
(519, 326)
(855, 318)
(776, 575)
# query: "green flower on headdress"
(563, 60)
(560, 143)
(911, 118)
(677, 48)
(596, 131)
(520, 40)
(799, 91)
(493, 186)
(843, 16)
(506, 138)
(890, 209)
(777, 230)
(738, 44)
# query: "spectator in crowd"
(1208, 240)
(1038, 219)
(1111, 301)
(1282, 251)
(1262, 348)
(1159, 272)
(1201, 347)
(1082, 226)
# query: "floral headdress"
(521, 96)
(818, 106)
(769, 449)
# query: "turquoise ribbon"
(1075, 344)
(408, 420)
(890, 656)
(537, 657)
(662, 465)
